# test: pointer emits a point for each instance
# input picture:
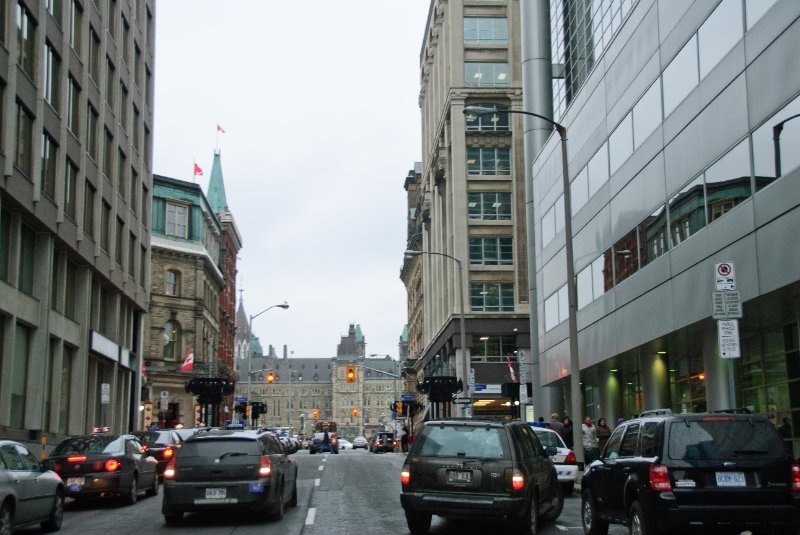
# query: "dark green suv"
(479, 469)
(705, 473)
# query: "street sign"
(407, 396)
(726, 305)
(480, 386)
(165, 394)
(462, 400)
(240, 399)
(724, 276)
(728, 335)
(105, 393)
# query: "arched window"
(489, 122)
(170, 339)
(172, 282)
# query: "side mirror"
(48, 465)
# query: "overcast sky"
(319, 103)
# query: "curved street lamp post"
(284, 306)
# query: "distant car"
(360, 442)
(186, 432)
(230, 470)
(161, 444)
(479, 469)
(345, 444)
(103, 465)
(563, 458)
(382, 442)
(317, 444)
(29, 492)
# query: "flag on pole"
(220, 129)
(197, 170)
(511, 370)
(188, 361)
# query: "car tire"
(173, 518)
(637, 524)
(277, 513)
(418, 523)
(132, 494)
(53, 522)
(153, 490)
(6, 519)
(557, 503)
(293, 499)
(591, 521)
(528, 524)
(569, 488)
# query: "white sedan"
(345, 444)
(564, 458)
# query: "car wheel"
(418, 523)
(153, 490)
(568, 488)
(132, 494)
(293, 499)
(592, 523)
(173, 517)
(53, 522)
(277, 513)
(636, 521)
(6, 519)
(528, 524)
(557, 503)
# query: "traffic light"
(398, 407)
(350, 374)
(248, 411)
(315, 414)
(270, 378)
(355, 412)
(241, 408)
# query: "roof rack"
(655, 412)
(737, 410)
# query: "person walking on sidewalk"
(557, 426)
(603, 432)
(590, 449)
(404, 440)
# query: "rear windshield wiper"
(748, 452)
(231, 454)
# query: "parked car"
(161, 444)
(29, 492)
(707, 472)
(344, 444)
(479, 469)
(360, 442)
(317, 444)
(563, 458)
(103, 465)
(382, 442)
(230, 470)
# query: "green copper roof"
(216, 187)
(359, 334)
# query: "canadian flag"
(198, 170)
(511, 370)
(188, 361)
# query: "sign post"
(726, 308)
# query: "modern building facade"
(76, 96)
(671, 110)
(467, 205)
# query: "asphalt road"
(354, 492)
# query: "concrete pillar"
(655, 380)
(716, 370)
(610, 396)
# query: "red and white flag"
(220, 129)
(188, 361)
(511, 370)
(197, 170)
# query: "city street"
(346, 493)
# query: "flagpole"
(194, 170)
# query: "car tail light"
(169, 452)
(796, 478)
(405, 475)
(659, 477)
(394, 443)
(266, 466)
(57, 468)
(517, 480)
(76, 458)
(570, 458)
(169, 471)
(112, 465)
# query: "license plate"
(256, 487)
(459, 476)
(74, 481)
(216, 494)
(730, 479)
(559, 458)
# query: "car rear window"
(91, 444)
(217, 448)
(716, 439)
(548, 439)
(464, 441)
(154, 438)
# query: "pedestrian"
(326, 442)
(589, 433)
(404, 439)
(603, 432)
(557, 426)
(567, 423)
(785, 431)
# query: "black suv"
(383, 442)
(479, 469)
(708, 472)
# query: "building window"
(620, 143)
(126, 47)
(27, 259)
(52, 70)
(91, 132)
(55, 9)
(122, 168)
(493, 348)
(718, 34)
(556, 308)
(489, 206)
(108, 155)
(491, 297)
(70, 189)
(26, 41)
(489, 122)
(134, 188)
(123, 106)
(73, 107)
(553, 221)
(111, 9)
(491, 251)
(172, 282)
(24, 140)
(119, 244)
(49, 163)
(75, 21)
(110, 72)
(142, 265)
(647, 114)
(19, 376)
(680, 76)
(488, 161)
(591, 281)
(89, 196)
(177, 220)
(5, 243)
(170, 340)
(94, 56)
(105, 227)
(687, 212)
(728, 181)
(482, 74)
(137, 64)
(70, 290)
(486, 30)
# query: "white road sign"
(728, 335)
(724, 276)
(105, 393)
(726, 305)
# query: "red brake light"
(796, 478)
(405, 475)
(76, 458)
(570, 458)
(266, 466)
(112, 465)
(169, 471)
(169, 452)
(659, 477)
(517, 480)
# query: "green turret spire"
(216, 187)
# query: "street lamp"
(572, 295)
(464, 362)
(776, 142)
(284, 306)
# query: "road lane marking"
(321, 467)
(312, 514)
(316, 482)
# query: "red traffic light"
(270, 377)
(350, 374)
(355, 413)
